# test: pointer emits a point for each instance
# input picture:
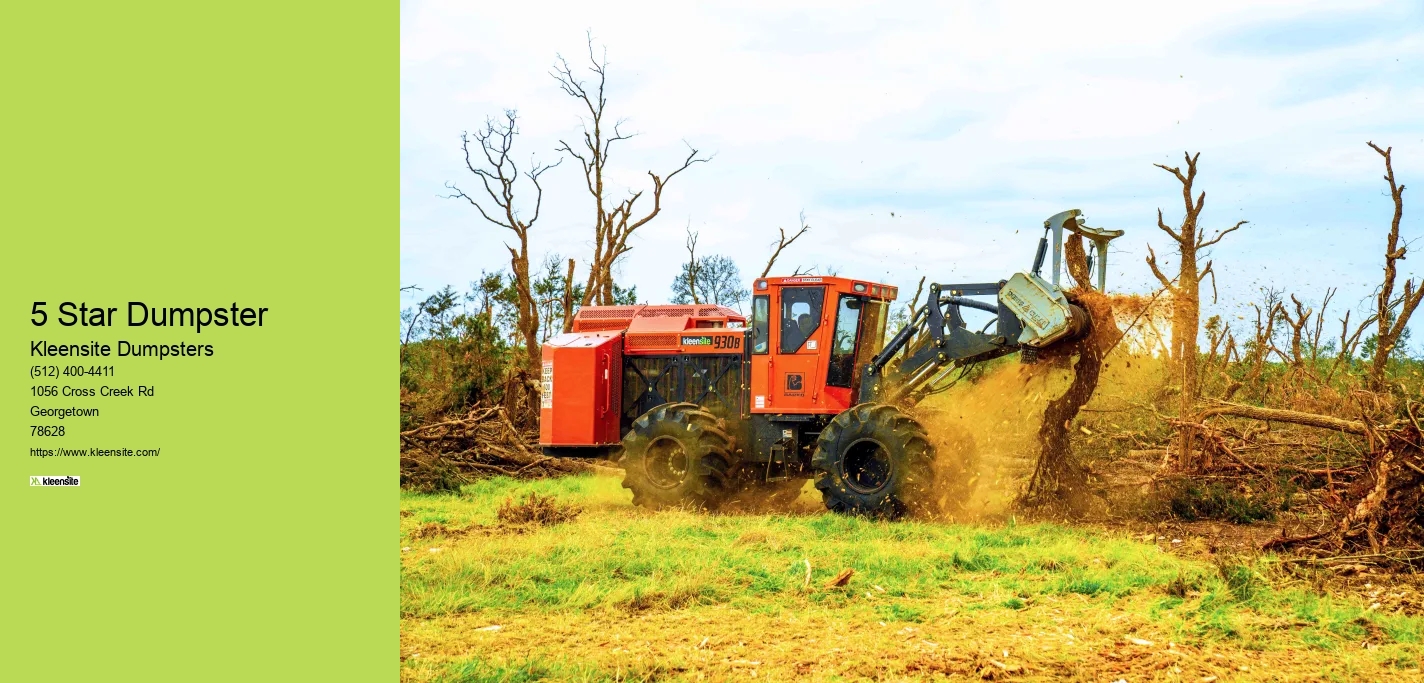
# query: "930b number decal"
(718, 342)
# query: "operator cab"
(810, 337)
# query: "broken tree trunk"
(1060, 483)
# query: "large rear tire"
(874, 460)
(677, 454)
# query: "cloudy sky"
(934, 138)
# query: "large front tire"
(874, 460)
(677, 454)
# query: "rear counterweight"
(581, 385)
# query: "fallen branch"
(1399, 556)
(1278, 415)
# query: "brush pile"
(1380, 516)
(442, 456)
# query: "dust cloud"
(986, 436)
(989, 431)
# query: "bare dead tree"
(692, 263)
(415, 316)
(1318, 327)
(782, 243)
(1219, 355)
(1261, 344)
(1186, 295)
(919, 289)
(614, 221)
(1217, 332)
(489, 160)
(568, 300)
(911, 308)
(1349, 342)
(1391, 315)
(1221, 338)
(1297, 325)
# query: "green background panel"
(194, 154)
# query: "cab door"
(795, 370)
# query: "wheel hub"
(666, 463)
(867, 466)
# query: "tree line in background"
(488, 327)
(482, 346)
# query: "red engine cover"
(581, 389)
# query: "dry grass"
(1056, 638)
(621, 593)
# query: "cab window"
(841, 369)
(761, 330)
(800, 316)
(872, 334)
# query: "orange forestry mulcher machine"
(700, 402)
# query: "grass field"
(621, 593)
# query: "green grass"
(618, 561)
(639, 560)
(477, 669)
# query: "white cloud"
(968, 120)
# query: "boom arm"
(936, 341)
(1031, 313)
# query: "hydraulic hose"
(969, 303)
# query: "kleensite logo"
(54, 481)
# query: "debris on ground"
(841, 579)
(536, 509)
(443, 456)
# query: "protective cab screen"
(761, 331)
(800, 315)
(840, 370)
